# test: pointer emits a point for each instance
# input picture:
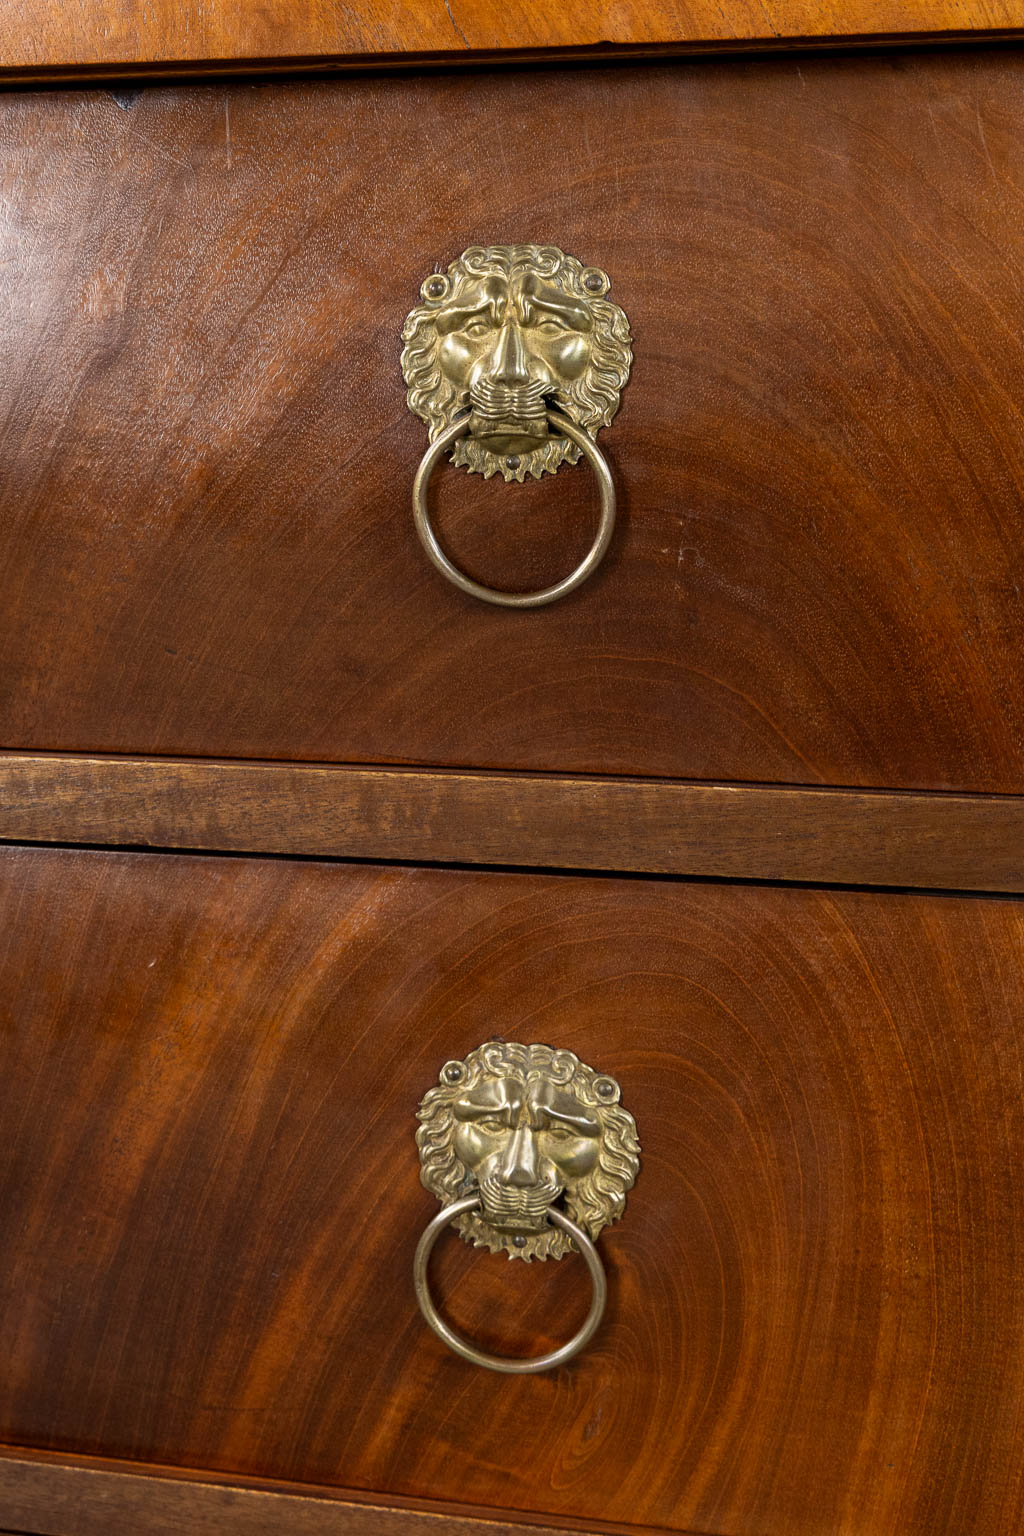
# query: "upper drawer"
(206, 540)
(210, 1196)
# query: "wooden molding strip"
(191, 71)
(85, 38)
(45, 1494)
(835, 836)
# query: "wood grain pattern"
(206, 546)
(209, 1191)
(956, 842)
(81, 35)
(88, 1497)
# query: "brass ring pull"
(563, 427)
(463, 1346)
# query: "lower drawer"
(210, 1196)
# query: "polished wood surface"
(37, 36)
(209, 1189)
(206, 544)
(853, 837)
(84, 1496)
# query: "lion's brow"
(568, 308)
(585, 1123)
(469, 1108)
(453, 316)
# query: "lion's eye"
(476, 327)
(492, 1127)
(550, 326)
(560, 1132)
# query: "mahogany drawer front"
(206, 542)
(209, 1193)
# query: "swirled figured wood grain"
(206, 543)
(209, 1192)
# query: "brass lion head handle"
(532, 1155)
(515, 359)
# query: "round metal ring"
(587, 566)
(469, 1351)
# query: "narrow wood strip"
(131, 70)
(87, 36)
(48, 1495)
(859, 837)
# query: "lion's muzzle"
(513, 1209)
(513, 414)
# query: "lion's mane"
(593, 1202)
(591, 400)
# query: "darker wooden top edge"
(882, 838)
(182, 67)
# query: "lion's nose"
(511, 363)
(520, 1163)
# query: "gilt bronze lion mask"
(506, 332)
(526, 1126)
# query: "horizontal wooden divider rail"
(108, 1498)
(842, 836)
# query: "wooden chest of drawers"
(290, 823)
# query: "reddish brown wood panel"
(209, 1189)
(36, 35)
(843, 836)
(88, 1497)
(206, 544)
